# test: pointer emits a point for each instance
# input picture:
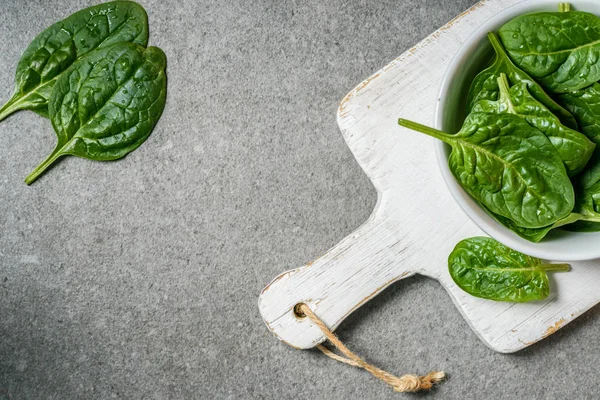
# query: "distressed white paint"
(416, 222)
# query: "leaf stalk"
(564, 7)
(56, 154)
(10, 106)
(415, 126)
(556, 267)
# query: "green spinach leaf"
(587, 198)
(485, 84)
(561, 50)
(586, 213)
(509, 166)
(535, 235)
(574, 148)
(107, 103)
(486, 268)
(59, 46)
(584, 216)
(583, 226)
(584, 104)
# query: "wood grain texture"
(416, 223)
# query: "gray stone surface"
(138, 279)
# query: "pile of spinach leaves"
(92, 75)
(529, 148)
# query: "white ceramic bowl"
(559, 245)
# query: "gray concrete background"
(138, 279)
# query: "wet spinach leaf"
(535, 235)
(587, 198)
(59, 46)
(561, 50)
(583, 226)
(532, 234)
(584, 105)
(586, 213)
(107, 103)
(485, 84)
(486, 268)
(574, 148)
(509, 166)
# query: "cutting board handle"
(334, 285)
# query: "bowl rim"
(547, 248)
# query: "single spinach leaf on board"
(561, 50)
(574, 148)
(59, 46)
(486, 268)
(485, 84)
(584, 104)
(107, 103)
(509, 166)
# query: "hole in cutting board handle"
(298, 313)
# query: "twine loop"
(405, 383)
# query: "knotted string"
(405, 383)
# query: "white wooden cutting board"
(416, 223)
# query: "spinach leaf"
(486, 268)
(583, 218)
(485, 84)
(583, 226)
(586, 213)
(574, 148)
(584, 104)
(509, 166)
(587, 198)
(561, 50)
(535, 235)
(56, 48)
(107, 103)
